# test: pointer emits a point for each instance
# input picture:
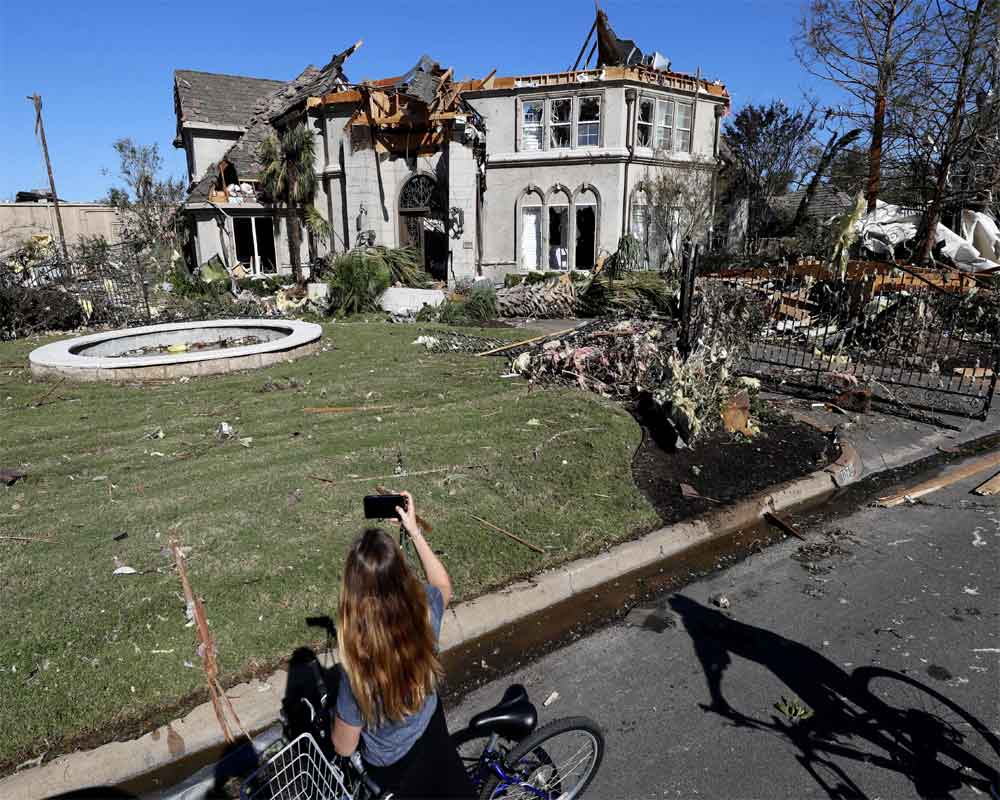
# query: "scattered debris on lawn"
(294, 497)
(9, 476)
(7, 538)
(344, 409)
(454, 342)
(118, 537)
(550, 699)
(224, 431)
(157, 434)
(508, 534)
(289, 384)
(246, 441)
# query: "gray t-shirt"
(392, 740)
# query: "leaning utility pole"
(40, 130)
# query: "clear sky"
(105, 69)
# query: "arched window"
(586, 218)
(558, 238)
(529, 221)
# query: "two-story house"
(485, 177)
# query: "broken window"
(664, 124)
(532, 124)
(254, 241)
(639, 223)
(644, 125)
(586, 231)
(589, 122)
(558, 236)
(560, 122)
(531, 236)
(682, 128)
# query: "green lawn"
(84, 651)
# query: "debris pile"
(617, 360)
(552, 299)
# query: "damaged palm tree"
(206, 649)
(551, 299)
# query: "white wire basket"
(299, 771)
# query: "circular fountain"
(176, 350)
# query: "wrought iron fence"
(921, 340)
(109, 282)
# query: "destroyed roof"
(216, 99)
(612, 51)
(312, 82)
(828, 201)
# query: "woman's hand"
(408, 516)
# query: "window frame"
(665, 127)
(551, 124)
(578, 122)
(546, 125)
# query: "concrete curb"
(257, 703)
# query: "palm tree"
(289, 177)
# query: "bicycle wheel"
(943, 742)
(559, 760)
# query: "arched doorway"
(422, 223)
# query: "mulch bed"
(725, 467)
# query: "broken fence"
(110, 284)
(921, 340)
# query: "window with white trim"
(664, 125)
(531, 236)
(644, 124)
(588, 126)
(682, 127)
(532, 124)
(560, 122)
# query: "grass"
(84, 653)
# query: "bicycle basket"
(298, 771)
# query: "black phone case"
(383, 506)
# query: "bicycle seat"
(514, 717)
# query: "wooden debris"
(508, 534)
(401, 476)
(343, 409)
(690, 493)
(220, 700)
(990, 461)
(989, 488)
(783, 524)
(41, 400)
(504, 348)
(6, 538)
(856, 399)
(973, 372)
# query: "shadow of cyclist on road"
(843, 708)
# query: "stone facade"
(566, 159)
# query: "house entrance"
(422, 223)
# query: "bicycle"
(518, 760)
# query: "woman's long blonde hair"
(387, 646)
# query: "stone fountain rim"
(62, 355)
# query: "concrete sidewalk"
(872, 443)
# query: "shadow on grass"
(921, 734)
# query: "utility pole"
(40, 130)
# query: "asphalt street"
(882, 632)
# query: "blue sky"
(105, 69)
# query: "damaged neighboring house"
(484, 176)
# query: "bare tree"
(954, 123)
(147, 202)
(871, 49)
(680, 208)
(770, 147)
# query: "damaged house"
(484, 176)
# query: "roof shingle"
(216, 99)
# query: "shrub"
(25, 311)
(473, 308)
(357, 282)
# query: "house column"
(463, 173)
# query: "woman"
(388, 624)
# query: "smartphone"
(383, 506)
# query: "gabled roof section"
(828, 201)
(269, 110)
(215, 99)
